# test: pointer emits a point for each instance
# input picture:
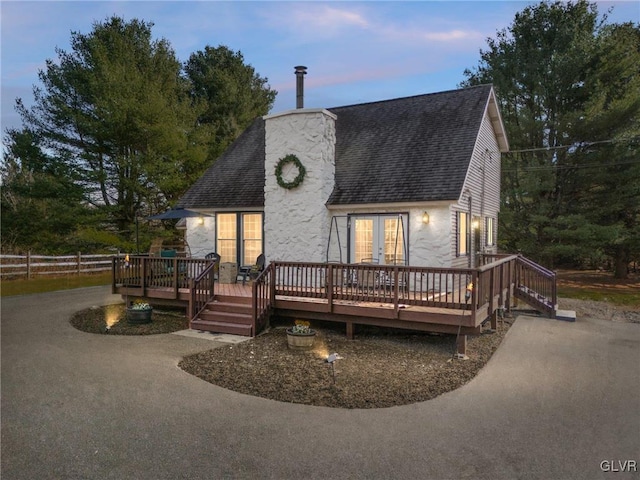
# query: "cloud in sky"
(355, 51)
(327, 17)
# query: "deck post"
(175, 277)
(192, 301)
(143, 279)
(396, 293)
(349, 330)
(461, 344)
(329, 277)
(507, 303)
(501, 287)
(494, 320)
(474, 295)
(492, 291)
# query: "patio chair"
(170, 255)
(213, 256)
(216, 258)
(252, 271)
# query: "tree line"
(568, 84)
(120, 128)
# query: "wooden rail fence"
(30, 265)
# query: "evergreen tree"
(42, 202)
(118, 111)
(234, 94)
(567, 119)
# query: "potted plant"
(139, 312)
(301, 336)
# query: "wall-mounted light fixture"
(200, 220)
(475, 224)
(425, 218)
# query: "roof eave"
(496, 121)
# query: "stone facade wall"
(201, 238)
(297, 220)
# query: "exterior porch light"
(200, 220)
(475, 224)
(425, 218)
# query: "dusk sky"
(355, 51)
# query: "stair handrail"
(262, 298)
(543, 284)
(200, 296)
(536, 266)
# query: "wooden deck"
(454, 301)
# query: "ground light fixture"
(331, 360)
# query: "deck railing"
(143, 272)
(202, 290)
(536, 284)
(482, 290)
(263, 298)
(451, 288)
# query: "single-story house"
(407, 181)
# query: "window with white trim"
(462, 234)
(490, 240)
(227, 234)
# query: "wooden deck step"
(229, 317)
(226, 314)
(221, 327)
(232, 299)
(232, 307)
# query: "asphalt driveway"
(555, 401)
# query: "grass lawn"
(49, 284)
(599, 286)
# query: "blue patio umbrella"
(177, 213)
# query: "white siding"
(483, 186)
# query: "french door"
(378, 239)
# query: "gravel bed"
(96, 320)
(380, 368)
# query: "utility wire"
(567, 167)
(575, 145)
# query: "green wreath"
(301, 172)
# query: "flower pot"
(300, 341)
(139, 316)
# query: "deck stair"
(537, 287)
(538, 301)
(226, 314)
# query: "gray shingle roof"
(403, 150)
(407, 149)
(236, 178)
